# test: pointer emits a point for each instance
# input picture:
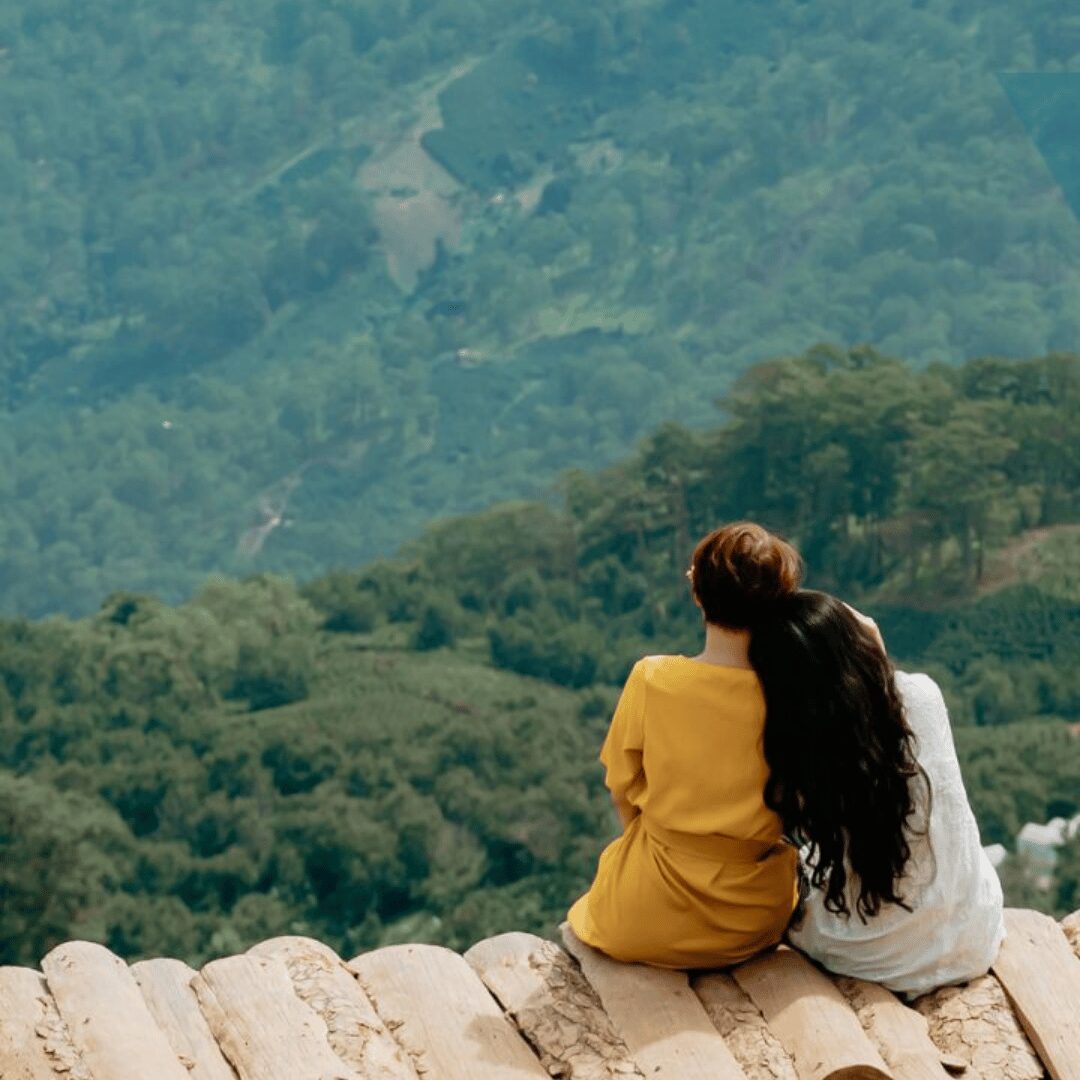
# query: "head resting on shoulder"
(738, 571)
(841, 755)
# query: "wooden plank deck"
(34, 1042)
(901, 1035)
(166, 986)
(975, 1023)
(743, 1028)
(355, 1031)
(811, 1018)
(518, 1007)
(443, 1014)
(1071, 925)
(262, 1027)
(1041, 976)
(107, 1016)
(543, 991)
(659, 1017)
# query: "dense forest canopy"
(407, 750)
(281, 281)
(469, 316)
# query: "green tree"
(1067, 877)
(64, 857)
(436, 628)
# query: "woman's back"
(703, 759)
(955, 926)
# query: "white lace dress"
(956, 927)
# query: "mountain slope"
(282, 282)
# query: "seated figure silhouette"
(788, 751)
(701, 876)
(865, 774)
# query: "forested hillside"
(282, 281)
(911, 491)
(407, 750)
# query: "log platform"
(517, 1006)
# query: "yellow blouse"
(700, 877)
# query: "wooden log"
(901, 1034)
(659, 1017)
(354, 1030)
(1041, 976)
(35, 1043)
(1071, 925)
(974, 1023)
(166, 988)
(543, 991)
(743, 1028)
(107, 1016)
(810, 1017)
(264, 1030)
(439, 1010)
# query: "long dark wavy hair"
(843, 771)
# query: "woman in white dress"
(864, 775)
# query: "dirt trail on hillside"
(1012, 564)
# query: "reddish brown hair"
(739, 570)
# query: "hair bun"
(739, 571)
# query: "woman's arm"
(626, 810)
(622, 752)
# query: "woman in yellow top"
(701, 876)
